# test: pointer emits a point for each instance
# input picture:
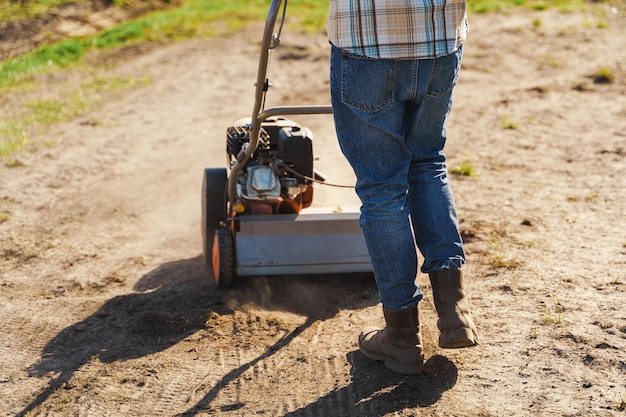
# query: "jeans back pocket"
(367, 84)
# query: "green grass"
(313, 11)
(12, 138)
(507, 123)
(14, 10)
(14, 130)
(61, 54)
(48, 112)
(465, 169)
(30, 9)
(604, 76)
(193, 18)
(5, 214)
(37, 115)
(499, 261)
(488, 6)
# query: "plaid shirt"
(397, 29)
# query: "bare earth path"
(106, 308)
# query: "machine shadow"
(174, 301)
(170, 303)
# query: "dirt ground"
(106, 308)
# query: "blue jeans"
(390, 117)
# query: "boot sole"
(457, 338)
(395, 366)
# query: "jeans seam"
(414, 79)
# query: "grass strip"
(194, 18)
(197, 18)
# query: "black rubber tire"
(214, 185)
(223, 258)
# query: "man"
(394, 66)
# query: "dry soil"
(106, 308)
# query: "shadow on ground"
(174, 301)
(376, 391)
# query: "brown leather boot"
(455, 321)
(399, 344)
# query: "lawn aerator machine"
(254, 217)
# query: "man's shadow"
(376, 391)
(173, 302)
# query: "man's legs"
(394, 145)
(369, 127)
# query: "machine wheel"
(213, 208)
(223, 258)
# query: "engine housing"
(279, 176)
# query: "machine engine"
(278, 178)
